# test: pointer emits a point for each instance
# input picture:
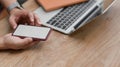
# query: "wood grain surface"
(97, 44)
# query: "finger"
(37, 20)
(22, 43)
(34, 43)
(25, 41)
(31, 44)
(10, 34)
(21, 20)
(13, 22)
(31, 18)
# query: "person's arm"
(7, 3)
(12, 42)
(2, 46)
(18, 16)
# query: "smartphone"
(37, 33)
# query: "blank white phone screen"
(32, 31)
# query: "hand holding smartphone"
(37, 33)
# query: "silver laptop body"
(69, 19)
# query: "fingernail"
(39, 23)
(14, 27)
(32, 19)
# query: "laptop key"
(65, 18)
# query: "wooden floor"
(97, 44)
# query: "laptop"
(69, 19)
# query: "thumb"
(27, 40)
(12, 22)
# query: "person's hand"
(13, 42)
(22, 16)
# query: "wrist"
(13, 6)
(14, 10)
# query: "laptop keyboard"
(66, 17)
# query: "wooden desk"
(97, 44)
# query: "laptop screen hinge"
(80, 22)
